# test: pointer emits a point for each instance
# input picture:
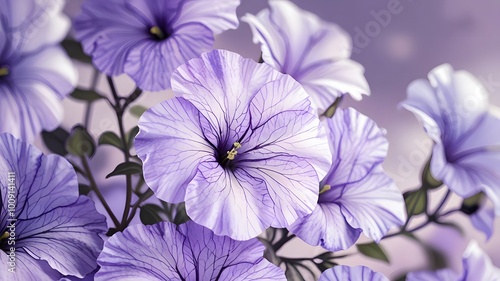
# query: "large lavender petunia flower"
(477, 266)
(188, 252)
(453, 107)
(357, 196)
(35, 74)
(358, 273)
(241, 145)
(149, 39)
(314, 52)
(55, 231)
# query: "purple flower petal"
(187, 252)
(477, 266)
(149, 39)
(453, 107)
(361, 196)
(260, 155)
(26, 268)
(483, 220)
(314, 52)
(440, 275)
(358, 273)
(171, 143)
(53, 223)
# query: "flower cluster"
(245, 157)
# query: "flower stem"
(88, 109)
(96, 190)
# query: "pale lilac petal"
(314, 52)
(291, 183)
(327, 82)
(280, 125)
(217, 15)
(358, 273)
(218, 199)
(440, 275)
(53, 223)
(483, 220)
(326, 227)
(210, 83)
(109, 32)
(373, 204)
(26, 268)
(187, 252)
(162, 58)
(172, 141)
(359, 146)
(477, 265)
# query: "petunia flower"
(356, 195)
(453, 107)
(47, 230)
(149, 39)
(240, 144)
(314, 52)
(189, 251)
(477, 266)
(35, 73)
(358, 273)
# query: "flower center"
(325, 189)
(4, 71)
(232, 153)
(157, 32)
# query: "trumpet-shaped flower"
(149, 39)
(314, 52)
(356, 195)
(453, 107)
(240, 144)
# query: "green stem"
(93, 186)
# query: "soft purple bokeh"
(165, 251)
(358, 273)
(56, 232)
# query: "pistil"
(157, 32)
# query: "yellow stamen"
(325, 189)
(155, 30)
(232, 153)
(5, 235)
(4, 71)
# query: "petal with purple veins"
(165, 251)
(173, 139)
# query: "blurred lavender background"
(397, 41)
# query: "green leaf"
(127, 168)
(55, 140)
(80, 143)
(181, 215)
(131, 136)
(86, 95)
(472, 204)
(83, 189)
(416, 201)
(150, 214)
(111, 139)
(325, 265)
(137, 110)
(75, 50)
(330, 111)
(373, 250)
(428, 180)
